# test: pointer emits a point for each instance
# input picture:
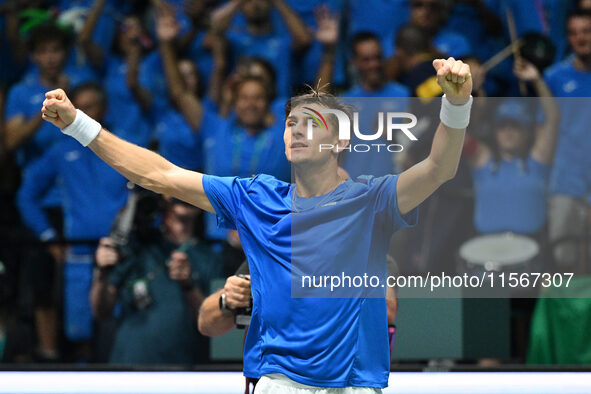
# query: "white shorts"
(277, 383)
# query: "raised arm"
(222, 16)
(547, 133)
(185, 100)
(296, 27)
(328, 35)
(141, 166)
(93, 51)
(420, 181)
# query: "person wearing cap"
(511, 172)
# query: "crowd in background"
(204, 83)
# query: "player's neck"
(314, 181)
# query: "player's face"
(50, 57)
(88, 101)
(579, 35)
(299, 148)
(426, 13)
(511, 138)
(369, 62)
(251, 104)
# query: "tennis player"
(302, 345)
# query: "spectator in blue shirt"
(432, 15)
(128, 101)
(369, 65)
(95, 40)
(510, 178)
(48, 48)
(478, 22)
(195, 42)
(243, 143)
(25, 132)
(258, 37)
(247, 142)
(256, 67)
(87, 216)
(570, 184)
(177, 129)
(381, 17)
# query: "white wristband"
(84, 129)
(455, 116)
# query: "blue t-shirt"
(381, 17)
(528, 17)
(122, 107)
(229, 150)
(26, 98)
(276, 48)
(510, 196)
(375, 163)
(92, 192)
(152, 78)
(572, 163)
(178, 142)
(201, 57)
(446, 41)
(330, 342)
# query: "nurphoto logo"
(395, 121)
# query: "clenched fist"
(58, 109)
(455, 79)
(237, 291)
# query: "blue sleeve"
(38, 179)
(210, 123)
(387, 204)
(224, 194)
(105, 32)
(542, 170)
(14, 103)
(552, 82)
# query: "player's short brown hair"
(320, 97)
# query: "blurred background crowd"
(90, 274)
